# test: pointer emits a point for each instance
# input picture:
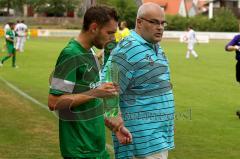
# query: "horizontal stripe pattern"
(146, 98)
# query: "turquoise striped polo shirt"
(146, 97)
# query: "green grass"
(205, 86)
(27, 131)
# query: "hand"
(105, 90)
(236, 47)
(114, 123)
(124, 136)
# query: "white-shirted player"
(21, 29)
(191, 40)
(6, 28)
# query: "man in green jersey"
(76, 91)
(9, 36)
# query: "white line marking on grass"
(25, 95)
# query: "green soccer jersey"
(10, 44)
(81, 129)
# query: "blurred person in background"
(5, 29)
(122, 31)
(191, 40)
(10, 37)
(234, 45)
(21, 30)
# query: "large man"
(10, 36)
(146, 98)
(21, 30)
(75, 89)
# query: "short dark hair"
(99, 14)
(11, 24)
(124, 23)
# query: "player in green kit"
(10, 35)
(76, 91)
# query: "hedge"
(223, 21)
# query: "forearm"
(114, 123)
(69, 100)
(72, 100)
(232, 48)
(9, 39)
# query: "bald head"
(148, 8)
(150, 22)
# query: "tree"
(222, 3)
(127, 9)
(138, 2)
(36, 3)
(55, 8)
(87, 4)
(221, 23)
(17, 5)
(6, 4)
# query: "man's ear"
(139, 23)
(93, 27)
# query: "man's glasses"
(156, 22)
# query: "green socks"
(5, 58)
(14, 60)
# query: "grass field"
(205, 91)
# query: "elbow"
(51, 102)
(227, 48)
(51, 106)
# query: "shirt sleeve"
(64, 75)
(8, 34)
(233, 42)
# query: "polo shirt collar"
(143, 41)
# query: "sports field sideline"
(205, 91)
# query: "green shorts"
(104, 156)
(11, 49)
